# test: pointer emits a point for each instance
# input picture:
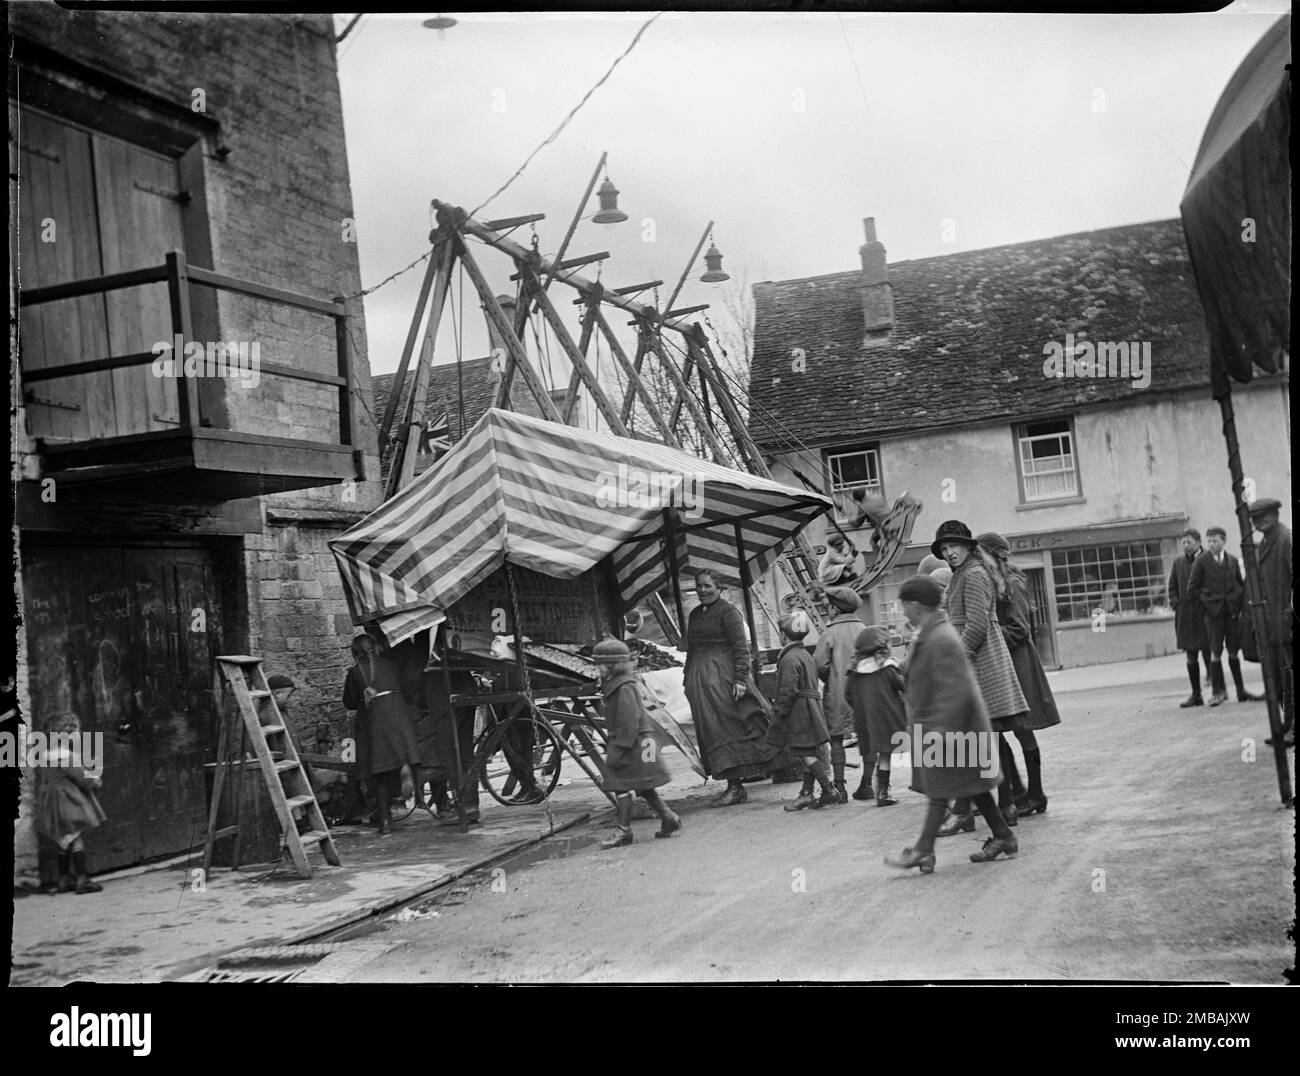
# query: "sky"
(954, 131)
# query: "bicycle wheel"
(519, 755)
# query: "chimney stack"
(877, 292)
(508, 305)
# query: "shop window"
(1127, 579)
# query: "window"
(1048, 471)
(851, 471)
(1125, 579)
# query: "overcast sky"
(955, 132)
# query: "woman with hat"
(971, 604)
(731, 717)
(1016, 618)
(945, 707)
(798, 722)
(833, 656)
(634, 753)
(385, 729)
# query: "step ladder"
(287, 782)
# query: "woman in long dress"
(385, 729)
(731, 717)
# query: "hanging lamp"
(609, 212)
(713, 259)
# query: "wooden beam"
(521, 253)
(684, 397)
(637, 287)
(343, 347)
(686, 272)
(533, 284)
(571, 397)
(572, 263)
(260, 291)
(516, 348)
(178, 295)
(401, 468)
(683, 311)
(412, 334)
(73, 289)
(635, 384)
(513, 222)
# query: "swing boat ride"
(502, 553)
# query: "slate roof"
(968, 336)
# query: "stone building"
(179, 174)
(939, 377)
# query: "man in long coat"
(1216, 582)
(1189, 617)
(1274, 554)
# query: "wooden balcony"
(195, 458)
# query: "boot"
(669, 821)
(842, 791)
(994, 847)
(84, 884)
(1234, 665)
(735, 794)
(1006, 802)
(830, 795)
(418, 788)
(883, 798)
(1219, 693)
(958, 822)
(1194, 699)
(1036, 802)
(806, 798)
(622, 833)
(66, 883)
(863, 791)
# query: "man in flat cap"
(1274, 556)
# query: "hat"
(794, 625)
(610, 652)
(871, 639)
(845, 599)
(942, 576)
(923, 589)
(1266, 504)
(928, 564)
(836, 539)
(994, 543)
(952, 530)
(278, 681)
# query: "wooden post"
(461, 822)
(635, 386)
(343, 338)
(573, 226)
(745, 583)
(674, 568)
(412, 334)
(684, 394)
(584, 342)
(685, 273)
(1257, 600)
(402, 469)
(178, 295)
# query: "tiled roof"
(968, 336)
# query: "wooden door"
(125, 638)
(90, 205)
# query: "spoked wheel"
(519, 756)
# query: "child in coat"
(798, 722)
(66, 805)
(633, 758)
(874, 688)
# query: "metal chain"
(528, 683)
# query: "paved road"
(1164, 856)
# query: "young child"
(874, 688)
(798, 722)
(66, 805)
(633, 759)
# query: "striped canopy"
(558, 500)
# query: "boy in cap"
(833, 657)
(798, 722)
(633, 757)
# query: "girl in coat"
(874, 691)
(971, 604)
(385, 729)
(66, 805)
(944, 700)
(633, 757)
(798, 722)
(1015, 615)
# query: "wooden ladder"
(286, 780)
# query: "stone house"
(179, 174)
(1055, 391)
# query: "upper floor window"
(1048, 465)
(849, 472)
